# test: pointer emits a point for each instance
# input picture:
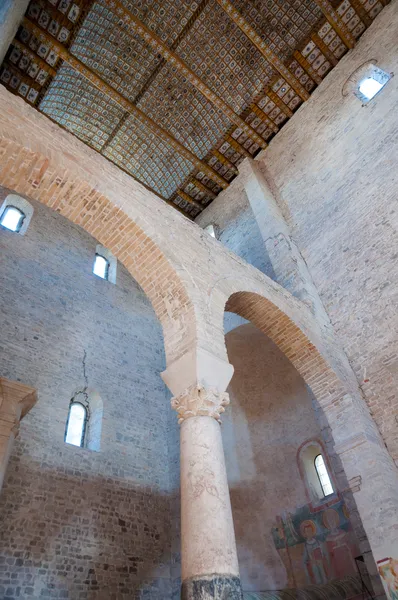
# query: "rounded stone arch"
(298, 345)
(39, 176)
(289, 323)
(352, 436)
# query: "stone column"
(16, 400)
(289, 266)
(209, 559)
(11, 15)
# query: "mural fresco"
(316, 547)
(388, 569)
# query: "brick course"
(77, 523)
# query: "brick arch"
(39, 176)
(291, 340)
(351, 434)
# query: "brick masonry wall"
(236, 227)
(340, 201)
(76, 523)
(271, 415)
(334, 166)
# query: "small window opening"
(369, 87)
(211, 231)
(76, 424)
(323, 475)
(12, 218)
(101, 266)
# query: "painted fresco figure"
(315, 557)
(388, 569)
(339, 546)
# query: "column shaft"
(209, 560)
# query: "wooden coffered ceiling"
(178, 92)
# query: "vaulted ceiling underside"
(177, 93)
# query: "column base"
(209, 587)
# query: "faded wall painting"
(316, 547)
(388, 569)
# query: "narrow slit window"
(76, 424)
(323, 475)
(12, 218)
(101, 266)
(211, 231)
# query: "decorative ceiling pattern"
(177, 93)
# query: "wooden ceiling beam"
(326, 51)
(170, 56)
(238, 147)
(105, 88)
(303, 62)
(189, 199)
(263, 47)
(338, 25)
(265, 118)
(224, 161)
(34, 57)
(203, 188)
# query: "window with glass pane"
(101, 266)
(323, 475)
(76, 424)
(12, 218)
(211, 231)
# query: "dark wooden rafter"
(34, 57)
(214, 171)
(224, 161)
(303, 62)
(147, 84)
(324, 49)
(187, 198)
(338, 25)
(361, 12)
(125, 104)
(237, 146)
(263, 47)
(170, 56)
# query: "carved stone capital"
(197, 401)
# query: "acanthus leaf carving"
(198, 401)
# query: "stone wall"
(76, 523)
(270, 417)
(236, 228)
(334, 168)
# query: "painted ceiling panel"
(95, 67)
(181, 109)
(78, 106)
(148, 158)
(283, 23)
(114, 53)
(166, 18)
(226, 60)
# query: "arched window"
(105, 264)
(15, 214)
(101, 266)
(76, 424)
(323, 475)
(316, 473)
(84, 422)
(12, 218)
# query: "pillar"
(11, 15)
(288, 264)
(209, 563)
(16, 400)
